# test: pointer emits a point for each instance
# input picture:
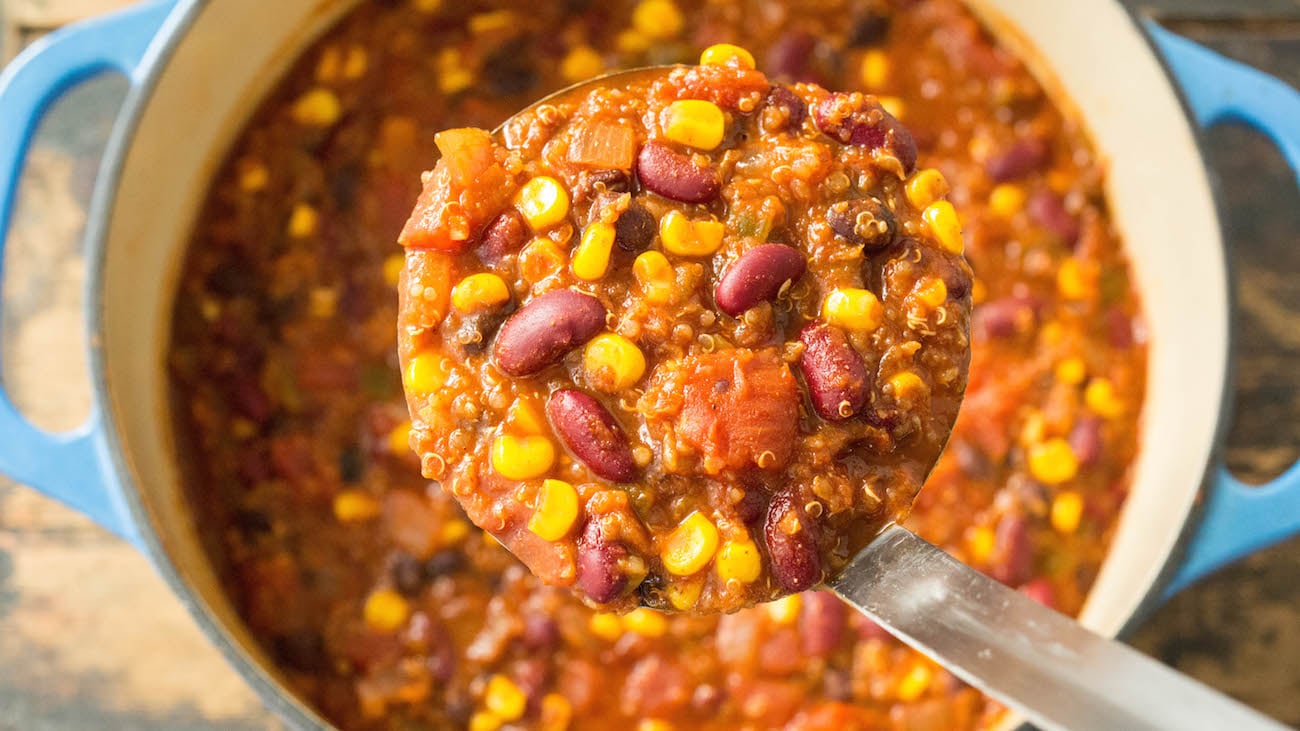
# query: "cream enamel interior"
(235, 49)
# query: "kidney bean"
(592, 434)
(1119, 329)
(792, 544)
(1085, 440)
(675, 175)
(821, 623)
(1013, 554)
(547, 328)
(540, 631)
(1004, 318)
(869, 630)
(856, 119)
(971, 459)
(758, 276)
(791, 104)
(635, 229)
(471, 333)
(790, 56)
(302, 650)
(1047, 209)
(599, 575)
(1041, 591)
(864, 222)
(1023, 157)
(707, 699)
(503, 236)
(836, 376)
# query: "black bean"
(864, 222)
(591, 434)
(509, 70)
(408, 574)
(675, 175)
(635, 229)
(592, 183)
(758, 276)
(545, 329)
(301, 650)
(868, 27)
(792, 537)
(443, 563)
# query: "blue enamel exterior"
(75, 468)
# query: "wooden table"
(91, 638)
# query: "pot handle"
(1237, 519)
(67, 465)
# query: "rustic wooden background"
(91, 638)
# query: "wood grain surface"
(90, 637)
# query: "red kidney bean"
(1004, 318)
(1085, 440)
(1041, 591)
(792, 544)
(1013, 554)
(599, 575)
(1047, 209)
(790, 57)
(971, 459)
(791, 104)
(503, 236)
(547, 328)
(635, 229)
(869, 630)
(675, 175)
(1119, 329)
(836, 376)
(592, 434)
(540, 631)
(1023, 157)
(856, 119)
(821, 623)
(758, 276)
(864, 222)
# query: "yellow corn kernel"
(581, 63)
(784, 610)
(612, 362)
(874, 69)
(524, 418)
(355, 506)
(631, 41)
(657, 19)
(1071, 371)
(323, 302)
(427, 6)
(484, 721)
(980, 543)
(684, 237)
(557, 509)
(1053, 462)
(979, 292)
(690, 546)
(424, 373)
(925, 187)
(655, 724)
(490, 21)
(555, 714)
(914, 684)
(477, 292)
(941, 221)
(932, 292)
(539, 259)
(1034, 428)
(1067, 510)
(726, 54)
(591, 257)
(907, 386)
(399, 439)
(696, 123)
(894, 105)
(393, 266)
(354, 67)
(386, 611)
(853, 309)
(327, 67)
(1076, 279)
(645, 622)
(656, 276)
(739, 560)
(1006, 200)
(303, 221)
(455, 79)
(1052, 332)
(543, 201)
(606, 626)
(1100, 396)
(453, 532)
(684, 594)
(503, 698)
(253, 176)
(522, 458)
(317, 108)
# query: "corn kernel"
(522, 458)
(1034, 429)
(591, 257)
(894, 105)
(543, 201)
(354, 67)
(784, 610)
(484, 721)
(631, 41)
(726, 54)
(556, 713)
(386, 611)
(739, 560)
(393, 266)
(655, 724)
(557, 509)
(1067, 510)
(684, 594)
(645, 622)
(981, 541)
(323, 302)
(424, 373)
(932, 292)
(1052, 332)
(1006, 200)
(941, 221)
(606, 626)
(914, 684)
(491, 21)
(907, 386)
(524, 418)
(695, 123)
(455, 79)
(303, 221)
(453, 533)
(853, 309)
(657, 19)
(355, 506)
(1053, 462)
(925, 187)
(1076, 279)
(327, 66)
(690, 546)
(477, 292)
(253, 176)
(874, 69)
(612, 362)
(1071, 371)
(581, 63)
(427, 6)
(503, 698)
(684, 237)
(540, 259)
(317, 108)
(1100, 396)
(655, 276)
(979, 292)
(399, 439)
